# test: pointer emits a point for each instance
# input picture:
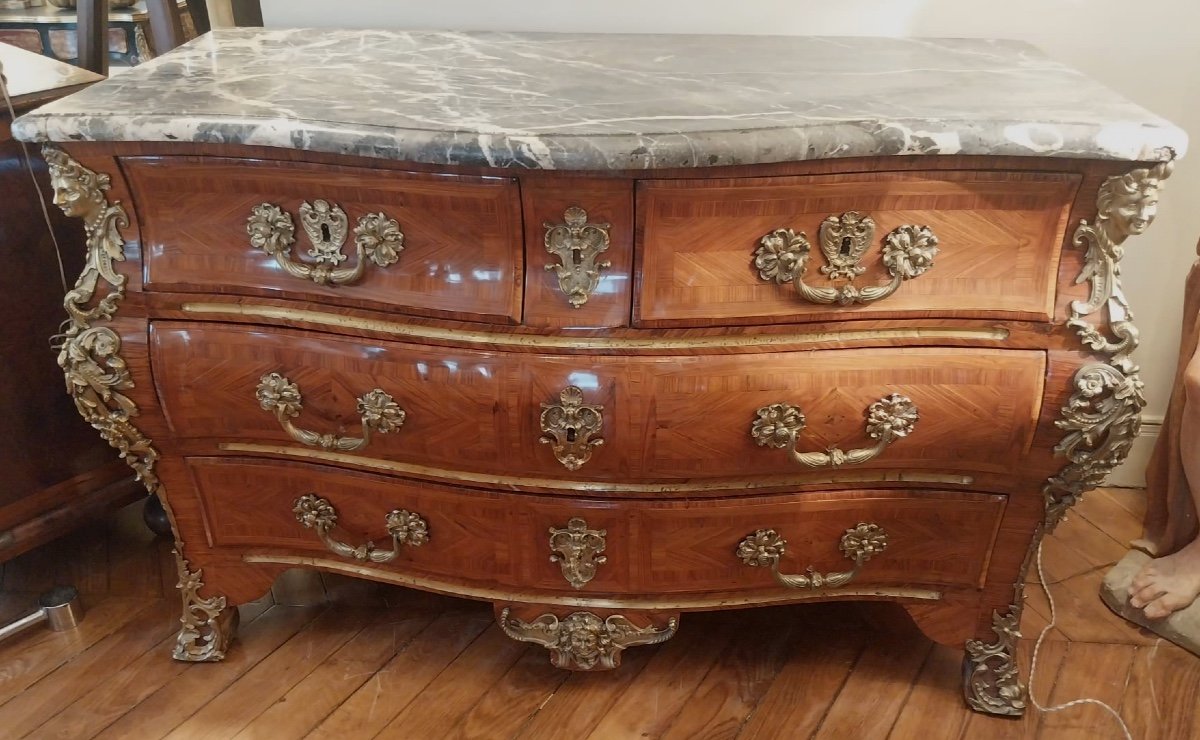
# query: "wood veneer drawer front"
(650, 547)
(925, 537)
(998, 239)
(579, 246)
(661, 418)
(459, 253)
(971, 410)
(251, 504)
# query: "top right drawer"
(952, 244)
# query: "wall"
(1147, 51)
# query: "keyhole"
(845, 250)
(576, 256)
(325, 235)
(570, 434)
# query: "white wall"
(1148, 51)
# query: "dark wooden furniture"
(132, 36)
(57, 475)
(92, 36)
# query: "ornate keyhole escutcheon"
(578, 246)
(571, 427)
(577, 549)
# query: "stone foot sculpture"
(1181, 627)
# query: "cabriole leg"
(990, 678)
(208, 623)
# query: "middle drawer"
(567, 420)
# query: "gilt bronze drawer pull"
(766, 547)
(379, 413)
(405, 527)
(376, 238)
(571, 427)
(888, 419)
(908, 251)
(577, 244)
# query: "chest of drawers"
(597, 378)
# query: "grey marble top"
(586, 101)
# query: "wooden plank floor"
(327, 657)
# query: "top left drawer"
(445, 246)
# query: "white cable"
(1037, 646)
(37, 188)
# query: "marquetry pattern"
(469, 409)
(461, 235)
(995, 233)
(390, 662)
(472, 536)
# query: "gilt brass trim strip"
(322, 318)
(663, 602)
(508, 481)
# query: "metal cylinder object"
(60, 608)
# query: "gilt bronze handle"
(405, 527)
(766, 547)
(377, 238)
(888, 419)
(379, 413)
(908, 251)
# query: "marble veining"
(608, 102)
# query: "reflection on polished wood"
(461, 258)
(939, 531)
(608, 202)
(999, 236)
(481, 411)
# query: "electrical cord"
(1037, 646)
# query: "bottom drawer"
(638, 547)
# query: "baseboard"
(1132, 473)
